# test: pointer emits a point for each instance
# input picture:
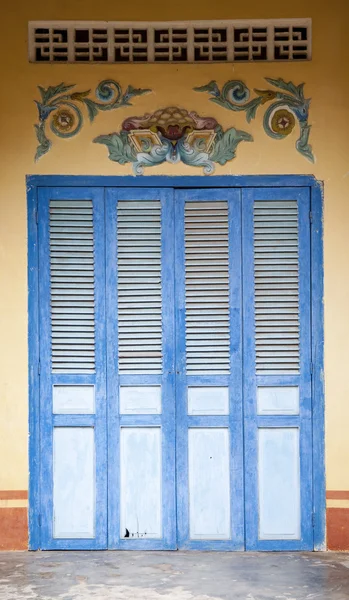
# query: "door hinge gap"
(39, 368)
(310, 216)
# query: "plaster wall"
(326, 83)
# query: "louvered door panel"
(72, 286)
(207, 288)
(140, 347)
(139, 286)
(276, 271)
(72, 368)
(277, 368)
(208, 382)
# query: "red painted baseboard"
(13, 528)
(337, 528)
(14, 524)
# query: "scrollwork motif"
(62, 108)
(288, 105)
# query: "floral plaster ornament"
(62, 108)
(172, 134)
(288, 105)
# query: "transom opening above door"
(257, 40)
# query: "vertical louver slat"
(276, 258)
(72, 286)
(139, 287)
(207, 288)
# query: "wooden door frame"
(317, 313)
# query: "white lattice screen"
(163, 42)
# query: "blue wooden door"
(141, 378)
(175, 368)
(277, 368)
(209, 369)
(73, 441)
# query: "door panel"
(208, 372)
(209, 483)
(141, 402)
(74, 477)
(140, 482)
(175, 385)
(278, 483)
(72, 368)
(277, 369)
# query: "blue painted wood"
(48, 420)
(66, 420)
(249, 377)
(305, 388)
(168, 380)
(68, 378)
(100, 358)
(250, 381)
(140, 420)
(112, 369)
(37, 479)
(236, 367)
(278, 420)
(206, 420)
(276, 380)
(181, 399)
(163, 181)
(195, 380)
(234, 421)
(318, 392)
(33, 375)
(140, 379)
(167, 419)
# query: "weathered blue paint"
(162, 181)
(46, 434)
(167, 419)
(76, 378)
(33, 375)
(38, 492)
(79, 420)
(234, 421)
(252, 422)
(277, 421)
(236, 374)
(318, 391)
(48, 420)
(113, 424)
(276, 380)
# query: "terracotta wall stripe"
(338, 529)
(13, 494)
(14, 529)
(337, 495)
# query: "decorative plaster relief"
(287, 107)
(63, 108)
(172, 135)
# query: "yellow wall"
(327, 83)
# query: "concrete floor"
(173, 576)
